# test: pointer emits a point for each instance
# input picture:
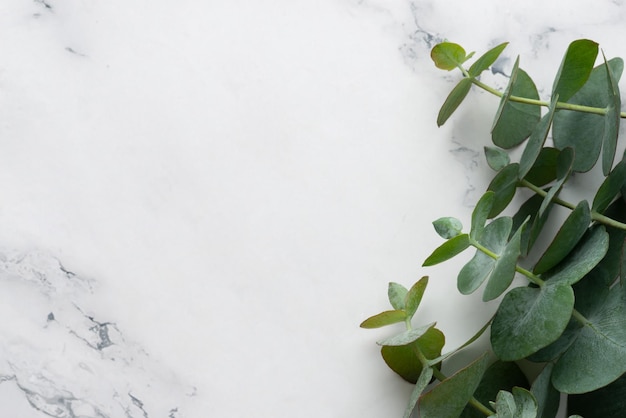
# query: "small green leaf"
(402, 359)
(420, 385)
(547, 397)
(448, 249)
(384, 318)
(504, 185)
(566, 239)
(448, 398)
(497, 158)
(519, 404)
(480, 214)
(486, 60)
(414, 297)
(504, 269)
(448, 55)
(538, 137)
(543, 170)
(448, 227)
(610, 188)
(406, 337)
(575, 68)
(396, 294)
(611, 120)
(454, 99)
(529, 319)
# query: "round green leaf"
(497, 158)
(448, 55)
(448, 227)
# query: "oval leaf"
(504, 185)
(414, 297)
(575, 68)
(610, 188)
(453, 100)
(504, 268)
(402, 359)
(486, 60)
(384, 318)
(396, 294)
(538, 137)
(448, 227)
(497, 158)
(448, 250)
(481, 213)
(448, 55)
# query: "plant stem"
(529, 275)
(594, 215)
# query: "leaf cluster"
(569, 316)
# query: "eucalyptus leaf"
(610, 188)
(529, 319)
(543, 170)
(396, 294)
(575, 68)
(454, 99)
(566, 238)
(448, 55)
(611, 120)
(547, 397)
(448, 249)
(448, 227)
(420, 385)
(448, 398)
(384, 318)
(406, 337)
(497, 158)
(528, 212)
(537, 139)
(486, 60)
(481, 213)
(609, 401)
(414, 296)
(504, 185)
(504, 269)
(519, 404)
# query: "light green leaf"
(448, 249)
(515, 121)
(448, 398)
(480, 214)
(610, 188)
(402, 359)
(611, 120)
(585, 256)
(448, 227)
(396, 294)
(420, 385)
(533, 148)
(504, 269)
(519, 404)
(548, 398)
(529, 319)
(486, 60)
(406, 337)
(504, 185)
(384, 318)
(497, 158)
(575, 68)
(454, 99)
(448, 55)
(414, 297)
(566, 239)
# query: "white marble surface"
(201, 200)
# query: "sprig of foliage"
(570, 317)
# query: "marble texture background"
(202, 200)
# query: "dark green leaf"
(609, 401)
(563, 169)
(515, 121)
(480, 214)
(611, 120)
(528, 210)
(529, 319)
(396, 294)
(414, 297)
(497, 158)
(384, 318)
(504, 268)
(486, 60)
(448, 398)
(448, 55)
(566, 239)
(547, 397)
(533, 149)
(610, 188)
(584, 131)
(453, 100)
(544, 168)
(420, 385)
(575, 68)
(448, 249)
(406, 337)
(504, 185)
(403, 360)
(499, 376)
(448, 227)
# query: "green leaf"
(448, 55)
(486, 60)
(449, 354)
(533, 148)
(566, 239)
(402, 359)
(504, 269)
(596, 357)
(448, 250)
(406, 337)
(497, 158)
(582, 259)
(563, 169)
(543, 170)
(584, 131)
(609, 401)
(529, 210)
(612, 120)
(384, 318)
(515, 121)
(414, 297)
(448, 398)
(420, 385)
(547, 397)
(610, 188)
(504, 185)
(396, 294)
(454, 99)
(529, 319)
(575, 68)
(499, 376)
(494, 238)
(519, 404)
(448, 227)
(480, 214)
